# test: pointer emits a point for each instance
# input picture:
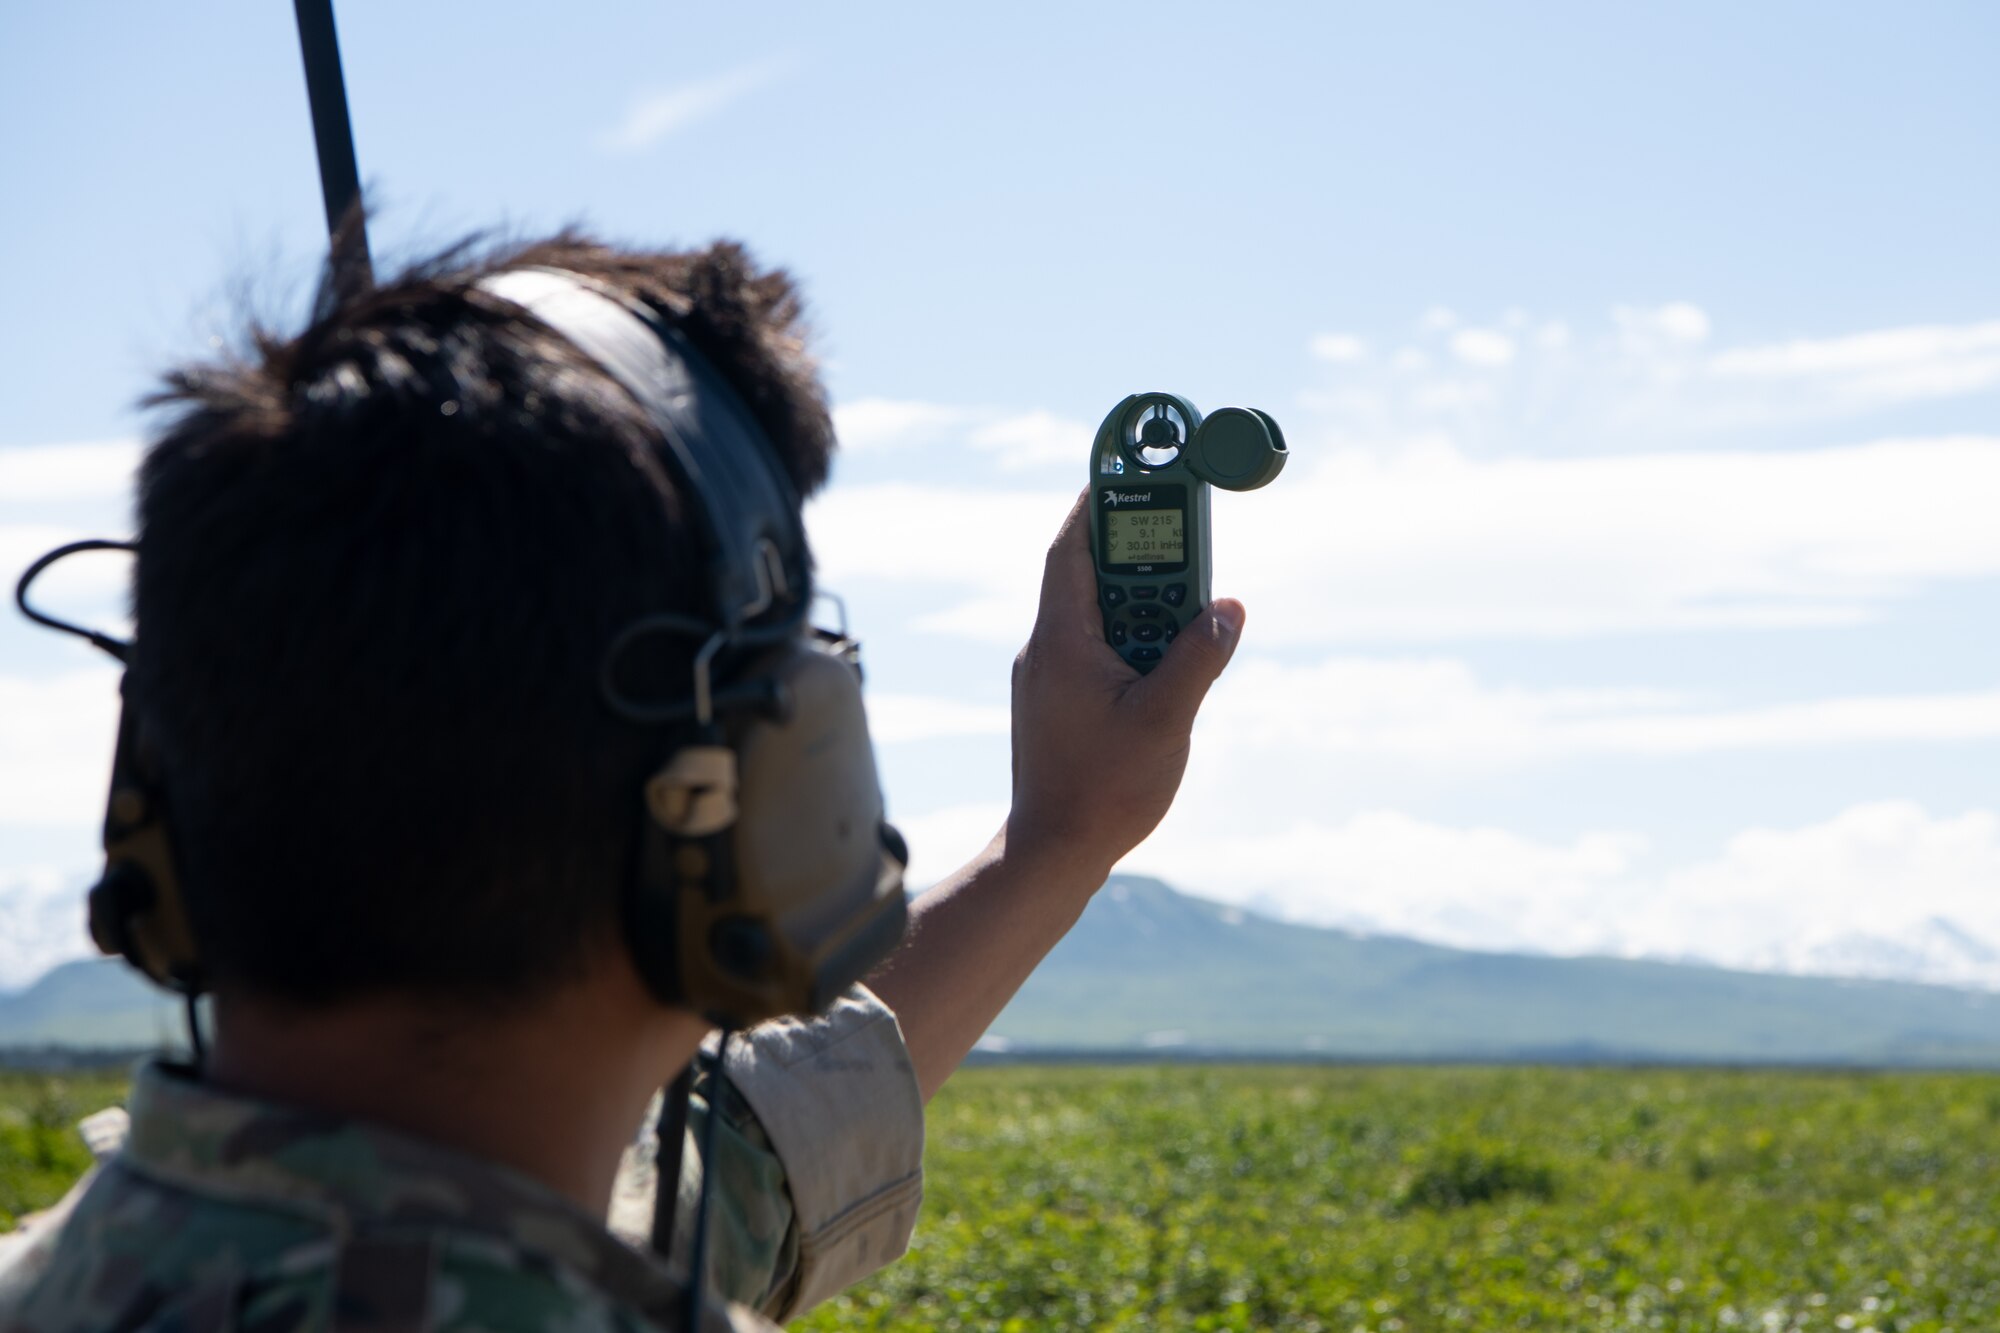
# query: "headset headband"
(746, 507)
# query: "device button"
(1114, 595)
(1175, 594)
(1145, 613)
(1145, 654)
(1172, 629)
(1145, 631)
(1145, 593)
(1118, 635)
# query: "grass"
(1405, 1200)
(40, 1153)
(1397, 1200)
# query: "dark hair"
(380, 563)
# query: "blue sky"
(1633, 586)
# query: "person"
(377, 566)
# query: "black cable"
(196, 1045)
(669, 1142)
(698, 1256)
(333, 139)
(756, 693)
(118, 648)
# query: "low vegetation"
(1410, 1200)
(40, 1153)
(1398, 1200)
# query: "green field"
(1399, 1200)
(40, 1153)
(1418, 1199)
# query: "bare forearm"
(976, 937)
(972, 941)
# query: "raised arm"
(979, 934)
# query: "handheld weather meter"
(1151, 467)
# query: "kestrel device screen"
(1144, 537)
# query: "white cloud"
(1437, 712)
(41, 923)
(1883, 889)
(1852, 890)
(1015, 440)
(903, 533)
(869, 424)
(1442, 546)
(893, 718)
(943, 840)
(1676, 322)
(1887, 366)
(1880, 889)
(1482, 347)
(1338, 347)
(1683, 322)
(55, 747)
(1330, 732)
(1034, 439)
(1651, 380)
(43, 472)
(1433, 546)
(52, 494)
(1389, 872)
(658, 115)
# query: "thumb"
(1180, 682)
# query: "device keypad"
(1140, 625)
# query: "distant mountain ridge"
(1149, 970)
(90, 1003)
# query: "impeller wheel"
(1162, 432)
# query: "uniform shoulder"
(440, 1282)
(225, 1214)
(469, 1284)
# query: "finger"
(1175, 688)
(1069, 578)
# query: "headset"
(136, 909)
(767, 880)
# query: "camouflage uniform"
(220, 1213)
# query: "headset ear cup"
(112, 908)
(804, 893)
(654, 910)
(136, 909)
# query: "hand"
(1099, 749)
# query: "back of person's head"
(380, 564)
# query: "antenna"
(333, 138)
(353, 273)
